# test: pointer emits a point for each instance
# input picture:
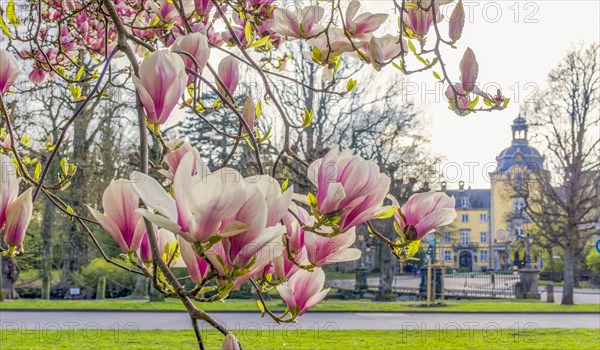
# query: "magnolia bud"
(249, 113)
(468, 70)
(230, 343)
(9, 71)
(457, 21)
(229, 74)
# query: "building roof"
(478, 198)
(519, 152)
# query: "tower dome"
(520, 152)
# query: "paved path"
(11, 321)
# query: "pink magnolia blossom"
(469, 70)
(166, 11)
(162, 81)
(9, 71)
(121, 219)
(229, 74)
(302, 23)
(294, 230)
(277, 201)
(463, 99)
(163, 238)
(363, 24)
(303, 290)
(17, 218)
(202, 202)
(350, 185)
(203, 7)
(196, 266)
(383, 49)
(177, 149)
(37, 76)
(323, 251)
(242, 247)
(423, 212)
(249, 113)
(283, 268)
(9, 185)
(457, 21)
(196, 44)
(230, 343)
(418, 20)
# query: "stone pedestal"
(361, 285)
(528, 287)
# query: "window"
(369, 259)
(483, 237)
(519, 232)
(447, 255)
(447, 237)
(483, 255)
(518, 204)
(465, 218)
(465, 202)
(483, 217)
(465, 236)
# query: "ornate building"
(489, 220)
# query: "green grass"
(307, 339)
(478, 305)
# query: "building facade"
(489, 220)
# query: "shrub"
(119, 283)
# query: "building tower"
(507, 217)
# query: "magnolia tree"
(226, 227)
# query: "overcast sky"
(516, 50)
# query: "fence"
(583, 279)
(494, 285)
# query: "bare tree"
(564, 202)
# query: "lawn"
(306, 339)
(477, 305)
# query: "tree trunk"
(568, 277)
(10, 275)
(386, 274)
(46, 233)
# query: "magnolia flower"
(162, 81)
(37, 76)
(17, 218)
(202, 202)
(283, 268)
(196, 44)
(276, 201)
(121, 219)
(348, 186)
(323, 251)
(230, 343)
(203, 7)
(327, 46)
(167, 12)
(463, 99)
(177, 149)
(457, 21)
(418, 20)
(9, 71)
(365, 23)
(165, 239)
(9, 185)
(294, 230)
(229, 74)
(303, 290)
(423, 212)
(196, 266)
(221, 261)
(249, 113)
(254, 215)
(468, 70)
(383, 49)
(303, 23)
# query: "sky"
(516, 44)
